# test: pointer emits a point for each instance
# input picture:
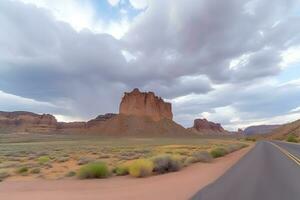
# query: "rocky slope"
(284, 130)
(260, 129)
(145, 104)
(203, 126)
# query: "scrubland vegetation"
(97, 157)
(292, 138)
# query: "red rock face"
(99, 119)
(203, 124)
(27, 121)
(145, 104)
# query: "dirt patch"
(177, 185)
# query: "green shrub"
(166, 163)
(94, 170)
(141, 168)
(252, 139)
(35, 171)
(202, 156)
(122, 169)
(218, 152)
(43, 160)
(234, 147)
(22, 170)
(292, 138)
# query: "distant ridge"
(283, 131)
(260, 129)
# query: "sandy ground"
(177, 185)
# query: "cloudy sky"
(236, 62)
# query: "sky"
(236, 62)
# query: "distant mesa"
(20, 121)
(145, 104)
(204, 127)
(260, 129)
(141, 113)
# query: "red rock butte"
(200, 124)
(145, 104)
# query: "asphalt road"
(265, 173)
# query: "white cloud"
(82, 15)
(139, 4)
(10, 102)
(128, 56)
(117, 28)
(295, 110)
(79, 14)
(113, 2)
(239, 62)
(290, 56)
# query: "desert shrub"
(122, 169)
(94, 170)
(14, 159)
(70, 174)
(202, 156)
(167, 163)
(189, 160)
(62, 159)
(22, 170)
(84, 160)
(218, 152)
(42, 153)
(252, 139)
(141, 168)
(3, 175)
(234, 147)
(104, 156)
(292, 138)
(43, 160)
(35, 171)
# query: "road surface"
(265, 173)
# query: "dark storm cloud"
(179, 48)
(203, 37)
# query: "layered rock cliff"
(203, 126)
(21, 121)
(145, 104)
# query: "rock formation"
(100, 118)
(27, 122)
(203, 126)
(141, 113)
(145, 104)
